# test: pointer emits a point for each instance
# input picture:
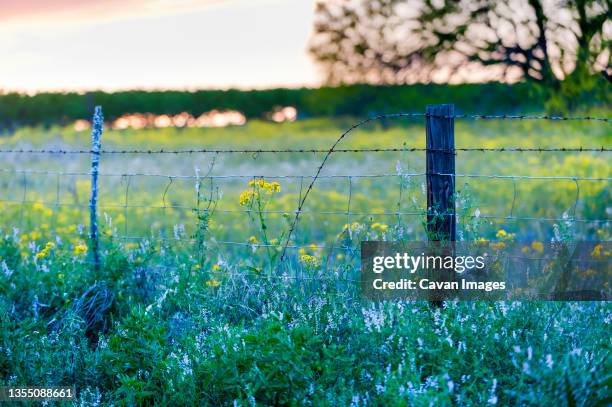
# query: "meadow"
(192, 306)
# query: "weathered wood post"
(96, 134)
(440, 174)
(440, 159)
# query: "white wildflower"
(549, 361)
(5, 269)
(526, 368)
(576, 352)
(449, 383)
(493, 398)
(179, 230)
(529, 353)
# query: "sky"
(79, 45)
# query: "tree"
(407, 41)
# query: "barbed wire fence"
(440, 153)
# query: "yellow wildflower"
(260, 184)
(526, 250)
(498, 245)
(252, 240)
(501, 233)
(597, 251)
(381, 227)
(482, 241)
(537, 246)
(247, 197)
(216, 267)
(257, 183)
(80, 249)
(45, 251)
(213, 283)
(308, 260)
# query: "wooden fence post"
(440, 159)
(96, 134)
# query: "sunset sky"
(185, 44)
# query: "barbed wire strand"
(521, 117)
(578, 149)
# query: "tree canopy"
(451, 41)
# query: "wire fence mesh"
(168, 207)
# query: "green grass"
(195, 321)
(170, 339)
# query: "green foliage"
(355, 100)
(136, 345)
(579, 89)
(296, 344)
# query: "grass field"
(493, 197)
(188, 309)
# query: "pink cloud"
(35, 10)
(24, 9)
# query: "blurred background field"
(154, 195)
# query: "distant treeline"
(357, 100)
